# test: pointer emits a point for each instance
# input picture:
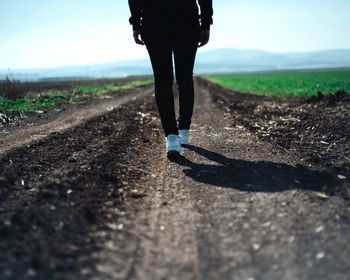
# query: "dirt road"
(99, 200)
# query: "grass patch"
(286, 84)
(109, 88)
(56, 97)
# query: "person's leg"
(184, 56)
(160, 53)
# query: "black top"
(163, 12)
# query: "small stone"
(245, 226)
(120, 226)
(162, 228)
(31, 272)
(322, 195)
(85, 271)
(59, 226)
(274, 267)
(319, 229)
(291, 239)
(267, 224)
(113, 226)
(256, 246)
(320, 255)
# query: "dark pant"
(163, 44)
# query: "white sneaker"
(173, 146)
(184, 136)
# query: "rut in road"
(233, 208)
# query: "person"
(172, 30)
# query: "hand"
(137, 37)
(203, 38)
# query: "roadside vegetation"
(287, 84)
(14, 98)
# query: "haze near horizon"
(53, 33)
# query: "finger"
(204, 38)
(202, 44)
(137, 36)
(138, 41)
(203, 41)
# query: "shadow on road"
(256, 176)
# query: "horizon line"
(9, 69)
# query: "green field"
(55, 97)
(286, 84)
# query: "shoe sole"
(173, 154)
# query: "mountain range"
(211, 62)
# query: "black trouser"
(180, 42)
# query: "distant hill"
(217, 61)
(233, 60)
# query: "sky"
(53, 33)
